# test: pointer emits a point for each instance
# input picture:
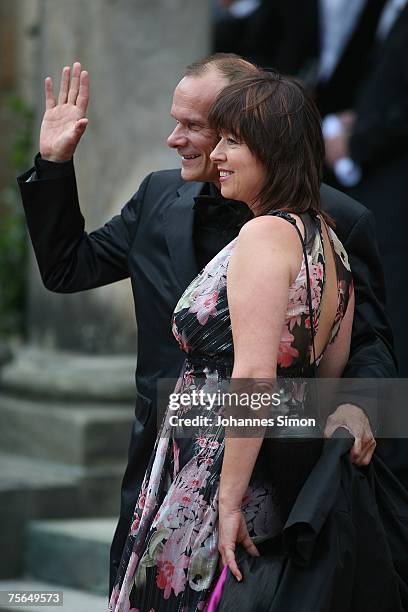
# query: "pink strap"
(217, 592)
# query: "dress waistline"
(214, 362)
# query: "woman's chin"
(228, 193)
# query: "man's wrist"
(47, 169)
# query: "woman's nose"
(217, 153)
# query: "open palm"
(64, 120)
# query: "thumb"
(81, 125)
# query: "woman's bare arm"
(266, 260)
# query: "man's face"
(192, 137)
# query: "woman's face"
(242, 175)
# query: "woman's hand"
(232, 531)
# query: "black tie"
(215, 211)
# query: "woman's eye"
(232, 141)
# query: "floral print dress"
(170, 560)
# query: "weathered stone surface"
(69, 376)
(70, 552)
(35, 489)
(76, 435)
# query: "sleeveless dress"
(170, 560)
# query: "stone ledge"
(69, 376)
(35, 489)
(77, 435)
(71, 553)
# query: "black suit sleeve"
(380, 135)
(371, 354)
(69, 259)
(381, 129)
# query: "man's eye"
(194, 126)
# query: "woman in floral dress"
(245, 316)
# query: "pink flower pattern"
(205, 306)
(171, 566)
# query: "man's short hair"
(233, 67)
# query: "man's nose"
(177, 138)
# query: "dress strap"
(288, 217)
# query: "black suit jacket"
(285, 34)
(339, 91)
(380, 134)
(151, 241)
(379, 145)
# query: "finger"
(232, 564)
(359, 451)
(79, 129)
(250, 547)
(355, 452)
(83, 94)
(80, 125)
(63, 92)
(74, 85)
(367, 454)
(49, 94)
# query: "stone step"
(35, 489)
(72, 553)
(76, 434)
(73, 600)
(55, 374)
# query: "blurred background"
(67, 390)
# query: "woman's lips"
(224, 175)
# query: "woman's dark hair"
(279, 122)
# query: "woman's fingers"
(228, 558)
(64, 86)
(74, 84)
(250, 547)
(49, 94)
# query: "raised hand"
(64, 121)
